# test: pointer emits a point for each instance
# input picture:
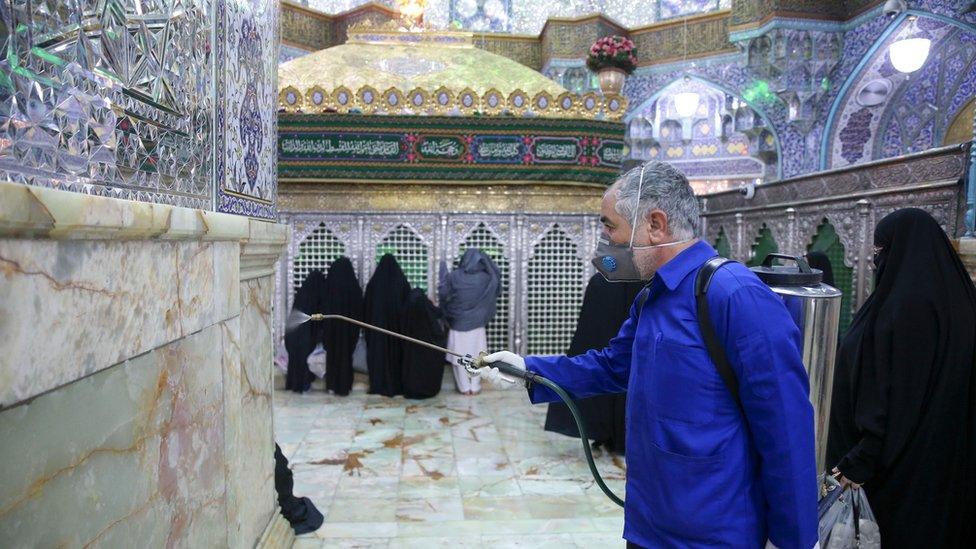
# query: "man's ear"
(657, 226)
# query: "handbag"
(359, 356)
(846, 519)
(316, 361)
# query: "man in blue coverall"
(701, 472)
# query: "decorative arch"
(482, 238)
(316, 251)
(858, 131)
(410, 251)
(764, 245)
(722, 244)
(960, 130)
(721, 141)
(554, 288)
(827, 240)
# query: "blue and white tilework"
(248, 185)
(810, 150)
(918, 108)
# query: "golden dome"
(397, 72)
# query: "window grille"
(499, 328)
(555, 293)
(409, 251)
(827, 241)
(765, 245)
(316, 252)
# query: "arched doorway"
(714, 137)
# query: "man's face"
(618, 230)
(615, 227)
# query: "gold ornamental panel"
(514, 197)
(445, 102)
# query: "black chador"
(819, 260)
(386, 297)
(343, 296)
(605, 308)
(301, 513)
(301, 341)
(903, 413)
(423, 368)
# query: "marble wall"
(135, 383)
(249, 393)
(131, 453)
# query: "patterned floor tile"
(452, 471)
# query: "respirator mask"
(616, 261)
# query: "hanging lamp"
(909, 54)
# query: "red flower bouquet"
(612, 52)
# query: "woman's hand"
(844, 481)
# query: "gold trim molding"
(562, 197)
(446, 102)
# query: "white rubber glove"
(498, 379)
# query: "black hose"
(581, 426)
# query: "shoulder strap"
(715, 349)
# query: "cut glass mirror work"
(109, 97)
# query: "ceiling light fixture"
(909, 54)
(686, 104)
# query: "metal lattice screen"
(555, 293)
(410, 252)
(316, 252)
(827, 241)
(500, 327)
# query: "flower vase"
(611, 80)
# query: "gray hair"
(665, 189)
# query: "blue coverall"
(699, 474)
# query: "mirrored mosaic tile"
(122, 109)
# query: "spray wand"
(474, 366)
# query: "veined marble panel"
(248, 386)
(130, 456)
(71, 308)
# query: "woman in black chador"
(606, 306)
(903, 416)
(300, 512)
(423, 368)
(301, 341)
(819, 260)
(343, 296)
(386, 297)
